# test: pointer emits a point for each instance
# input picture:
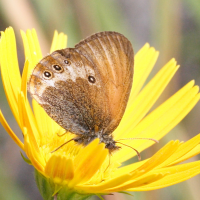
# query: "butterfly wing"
(112, 57)
(86, 88)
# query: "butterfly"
(85, 89)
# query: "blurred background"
(172, 27)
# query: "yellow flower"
(76, 170)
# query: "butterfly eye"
(58, 68)
(91, 79)
(67, 62)
(47, 75)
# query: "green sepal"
(48, 189)
(44, 185)
(100, 197)
(66, 193)
(127, 193)
(26, 159)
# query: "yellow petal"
(87, 164)
(59, 41)
(184, 148)
(146, 99)
(193, 152)
(46, 125)
(11, 59)
(10, 132)
(124, 180)
(60, 169)
(11, 89)
(24, 79)
(147, 180)
(37, 48)
(35, 51)
(34, 156)
(144, 62)
(27, 121)
(32, 49)
(176, 174)
(54, 42)
(160, 121)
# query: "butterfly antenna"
(60, 135)
(154, 140)
(108, 163)
(62, 145)
(138, 154)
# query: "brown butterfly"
(85, 89)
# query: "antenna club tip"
(156, 141)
